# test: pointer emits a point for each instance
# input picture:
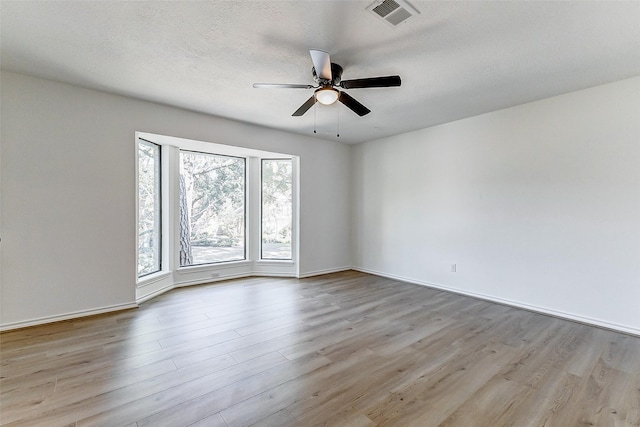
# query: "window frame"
(245, 190)
(160, 218)
(261, 209)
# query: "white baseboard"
(202, 281)
(321, 272)
(186, 283)
(569, 316)
(154, 294)
(543, 310)
(66, 316)
(271, 274)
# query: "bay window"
(210, 211)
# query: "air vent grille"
(386, 7)
(393, 12)
(399, 17)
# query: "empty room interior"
(320, 213)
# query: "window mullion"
(253, 209)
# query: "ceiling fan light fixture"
(327, 95)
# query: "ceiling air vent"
(393, 12)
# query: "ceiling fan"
(328, 77)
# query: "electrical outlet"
(453, 268)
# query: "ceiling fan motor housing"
(336, 75)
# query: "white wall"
(538, 205)
(68, 194)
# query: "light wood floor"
(346, 349)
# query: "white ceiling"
(456, 59)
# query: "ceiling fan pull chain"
(338, 132)
(314, 119)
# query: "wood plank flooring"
(345, 349)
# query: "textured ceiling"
(456, 59)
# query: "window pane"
(277, 207)
(212, 214)
(149, 226)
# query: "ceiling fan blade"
(282, 86)
(305, 107)
(386, 81)
(322, 63)
(354, 105)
